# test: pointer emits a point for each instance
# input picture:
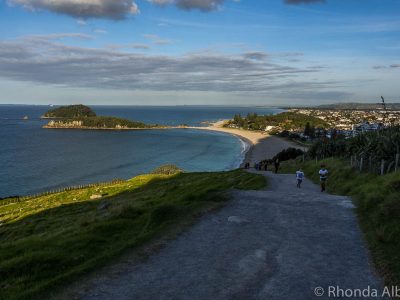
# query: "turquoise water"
(35, 159)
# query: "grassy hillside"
(50, 240)
(378, 208)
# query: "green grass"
(49, 241)
(378, 208)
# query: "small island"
(70, 111)
(83, 117)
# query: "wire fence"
(370, 164)
(17, 199)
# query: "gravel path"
(279, 243)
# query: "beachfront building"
(365, 127)
(270, 128)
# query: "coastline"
(260, 145)
(109, 128)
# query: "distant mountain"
(359, 106)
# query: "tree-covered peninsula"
(83, 117)
(99, 123)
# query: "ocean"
(33, 159)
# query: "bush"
(167, 170)
(288, 154)
(379, 145)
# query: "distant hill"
(359, 106)
(71, 111)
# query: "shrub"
(167, 170)
(288, 154)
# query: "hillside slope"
(48, 241)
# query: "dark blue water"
(33, 159)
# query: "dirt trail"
(279, 243)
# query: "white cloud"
(81, 22)
(139, 46)
(83, 9)
(100, 31)
(47, 62)
(156, 39)
(203, 5)
(59, 36)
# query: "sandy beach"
(260, 145)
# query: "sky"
(199, 52)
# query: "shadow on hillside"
(57, 244)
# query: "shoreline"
(112, 128)
(261, 145)
(255, 146)
(258, 145)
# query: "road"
(278, 243)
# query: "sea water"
(33, 159)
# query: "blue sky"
(199, 51)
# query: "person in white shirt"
(299, 177)
(323, 176)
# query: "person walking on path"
(276, 164)
(299, 177)
(323, 176)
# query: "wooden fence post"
(370, 164)
(382, 166)
(390, 167)
(361, 163)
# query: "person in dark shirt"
(276, 164)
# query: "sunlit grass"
(50, 240)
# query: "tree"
(334, 134)
(238, 120)
(312, 132)
(307, 129)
